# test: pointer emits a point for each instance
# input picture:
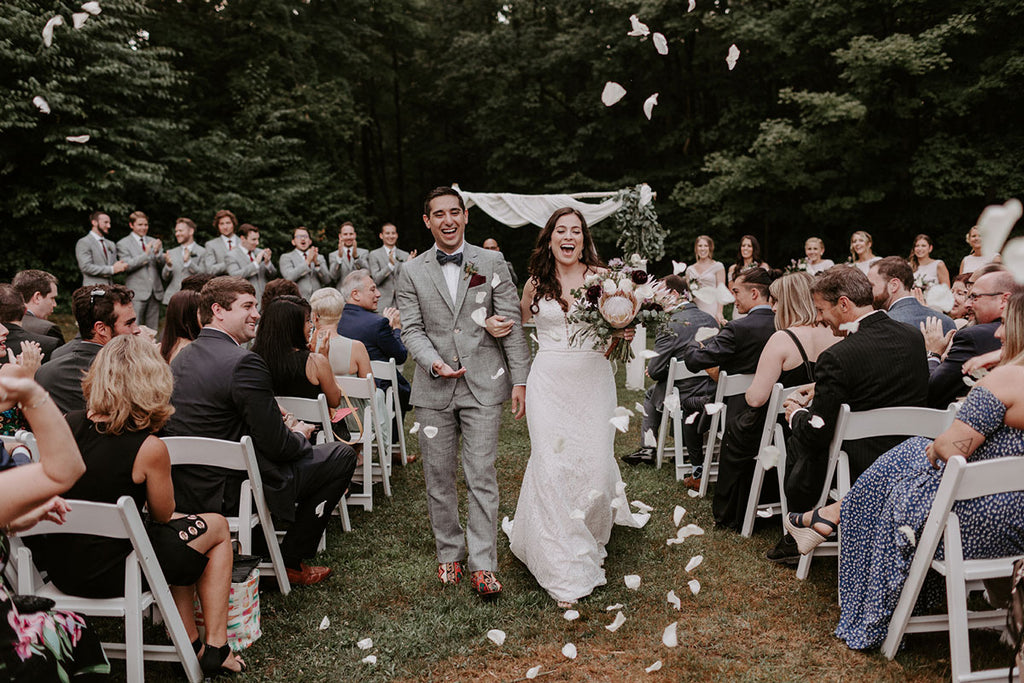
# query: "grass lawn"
(752, 620)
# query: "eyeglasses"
(973, 295)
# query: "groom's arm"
(414, 335)
(505, 301)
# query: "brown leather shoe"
(307, 576)
(450, 573)
(692, 483)
(486, 584)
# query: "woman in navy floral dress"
(890, 502)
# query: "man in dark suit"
(891, 280)
(39, 289)
(686, 320)
(380, 334)
(736, 349)
(986, 301)
(12, 310)
(880, 364)
(223, 391)
(102, 313)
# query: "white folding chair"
(239, 456)
(388, 370)
(728, 385)
(960, 481)
(672, 412)
(117, 521)
(25, 438)
(777, 438)
(364, 389)
(905, 421)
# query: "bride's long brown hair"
(542, 261)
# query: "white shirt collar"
(96, 236)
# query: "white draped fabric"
(517, 210)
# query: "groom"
(446, 295)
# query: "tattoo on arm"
(964, 445)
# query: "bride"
(572, 492)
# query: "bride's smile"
(567, 240)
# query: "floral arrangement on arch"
(625, 296)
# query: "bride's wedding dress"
(572, 491)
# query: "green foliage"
(637, 226)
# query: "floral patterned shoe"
(485, 584)
(450, 573)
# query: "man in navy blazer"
(380, 334)
(891, 280)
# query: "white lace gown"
(572, 491)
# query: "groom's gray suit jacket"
(435, 327)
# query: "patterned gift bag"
(243, 607)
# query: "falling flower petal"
(733, 56)
(692, 494)
(705, 333)
(78, 19)
(577, 514)
(642, 506)
(816, 421)
(677, 514)
(42, 104)
(325, 624)
(692, 6)
(612, 608)
(618, 621)
(496, 636)
(723, 294)
(370, 659)
(671, 404)
(593, 495)
(495, 281)
(660, 44)
(706, 295)
(657, 665)
(506, 525)
(995, 224)
(365, 644)
(632, 581)
(571, 615)
(620, 422)
(569, 651)
(430, 431)
(692, 417)
(479, 316)
(638, 29)
(694, 585)
(909, 533)
(640, 408)
(678, 268)
(1013, 259)
(647, 354)
(622, 410)
(499, 373)
(646, 195)
(320, 508)
(849, 328)
(80, 139)
(480, 296)
(765, 514)
(612, 93)
(649, 105)
(534, 338)
(769, 456)
(532, 672)
(92, 8)
(694, 563)
(668, 637)
(712, 408)
(650, 441)
(969, 381)
(940, 297)
(53, 23)
(674, 600)
(415, 428)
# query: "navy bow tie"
(443, 258)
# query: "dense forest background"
(896, 117)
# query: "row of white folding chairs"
(22, 437)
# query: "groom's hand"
(519, 400)
(442, 369)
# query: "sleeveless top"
(339, 354)
(801, 374)
(929, 273)
(972, 263)
(296, 383)
(820, 267)
(865, 266)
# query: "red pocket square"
(476, 280)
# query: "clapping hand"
(935, 340)
(27, 362)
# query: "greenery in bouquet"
(636, 223)
(623, 297)
(796, 266)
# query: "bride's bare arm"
(529, 289)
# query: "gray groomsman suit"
(143, 277)
(179, 270)
(240, 265)
(384, 276)
(309, 279)
(437, 328)
(95, 260)
(216, 262)
(340, 266)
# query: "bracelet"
(37, 403)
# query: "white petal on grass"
(612, 93)
(41, 104)
(674, 600)
(995, 224)
(620, 422)
(657, 665)
(480, 296)
(479, 316)
(632, 581)
(732, 57)
(612, 608)
(1013, 259)
(909, 533)
(430, 431)
(712, 408)
(618, 621)
(650, 441)
(92, 8)
(765, 514)
(642, 506)
(53, 23)
(571, 615)
(678, 267)
(694, 563)
(506, 525)
(365, 644)
(78, 19)
(692, 417)
(677, 514)
(940, 297)
(692, 494)
(532, 672)
(694, 585)
(80, 139)
(569, 651)
(692, 6)
(496, 636)
(415, 428)
(660, 44)
(325, 624)
(369, 659)
(769, 456)
(668, 636)
(499, 373)
(495, 281)
(640, 408)
(705, 333)
(816, 421)
(649, 104)
(637, 28)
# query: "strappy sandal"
(807, 539)
(212, 661)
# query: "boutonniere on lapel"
(475, 278)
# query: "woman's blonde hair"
(328, 304)
(1013, 333)
(815, 240)
(794, 303)
(711, 245)
(128, 387)
(866, 235)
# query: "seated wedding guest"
(276, 288)
(886, 508)
(880, 363)
(960, 313)
(706, 273)
(347, 357)
(927, 270)
(127, 390)
(223, 391)
(102, 313)
(282, 340)
(39, 289)
(861, 255)
(181, 325)
(814, 249)
(975, 260)
(29, 494)
(686, 320)
(891, 283)
(986, 301)
(12, 310)
(12, 419)
(736, 350)
(747, 257)
(789, 356)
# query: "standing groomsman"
(348, 258)
(143, 254)
(385, 263)
(251, 262)
(217, 249)
(304, 265)
(96, 255)
(184, 260)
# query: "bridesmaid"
(928, 270)
(749, 256)
(814, 249)
(860, 251)
(975, 260)
(708, 274)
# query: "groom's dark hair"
(441, 191)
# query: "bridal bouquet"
(623, 297)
